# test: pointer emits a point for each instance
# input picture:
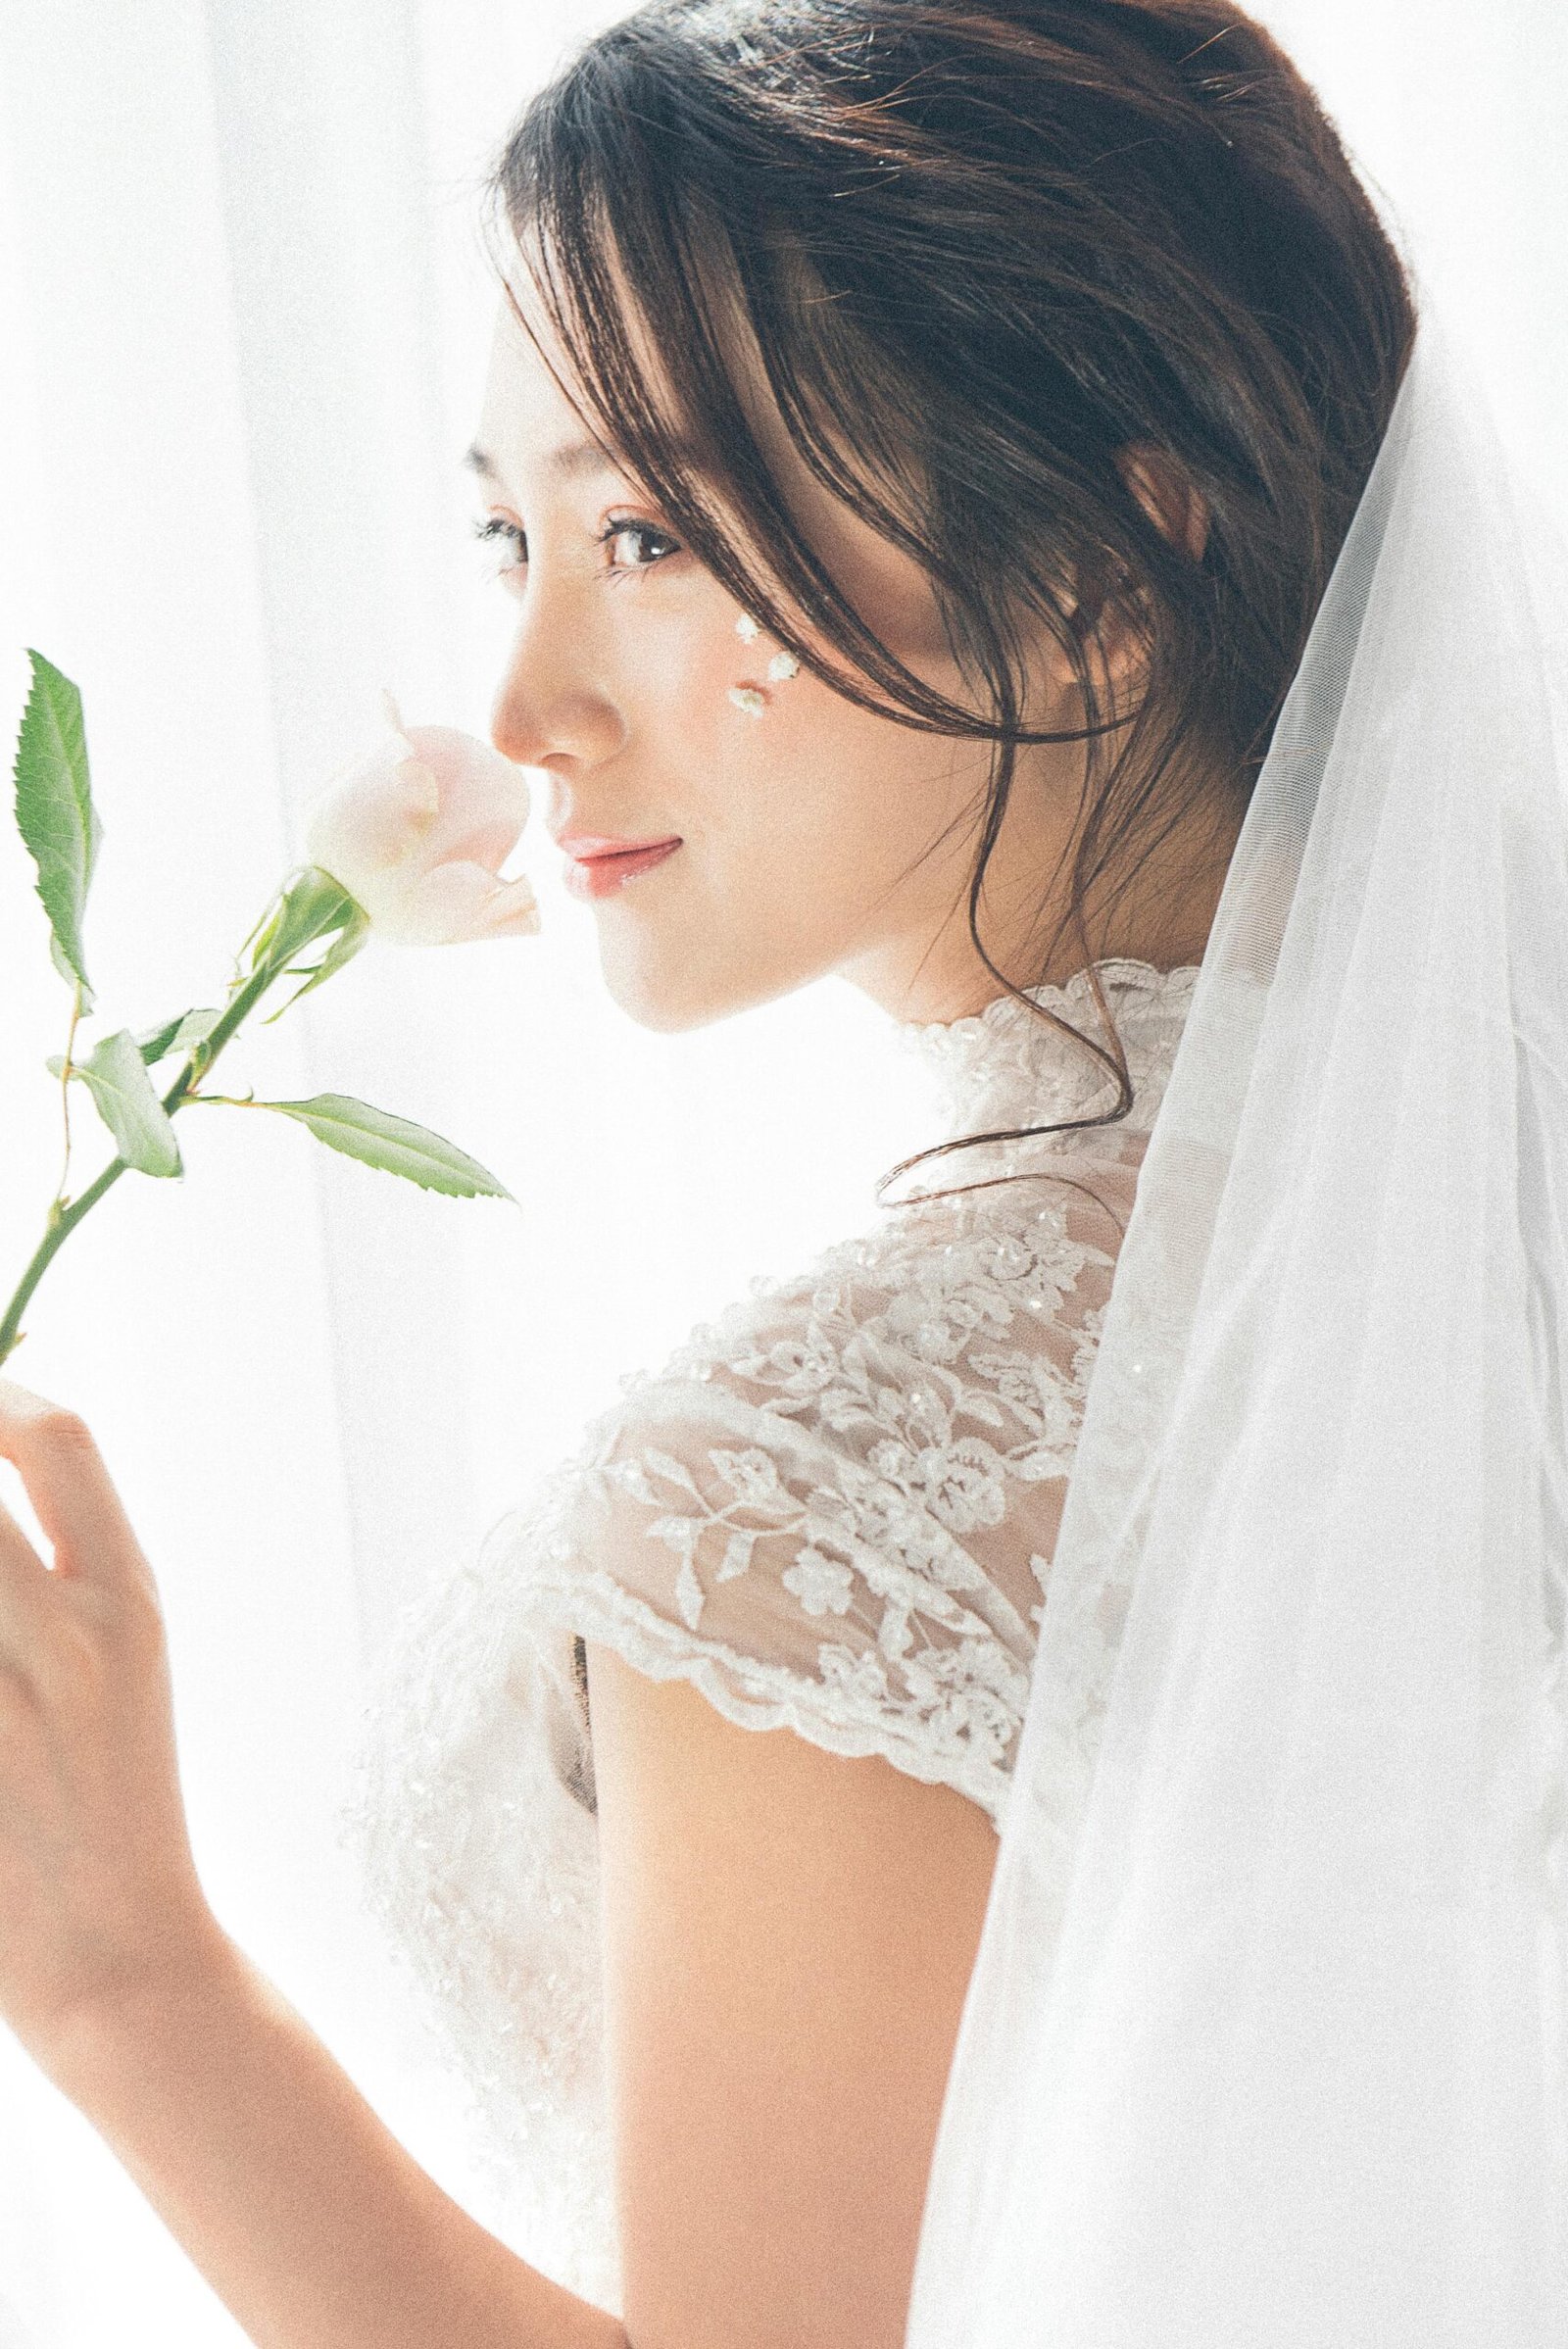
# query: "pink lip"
(600, 877)
(583, 845)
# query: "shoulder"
(832, 1510)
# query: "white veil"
(1264, 2046)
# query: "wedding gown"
(833, 1509)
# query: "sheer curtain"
(243, 322)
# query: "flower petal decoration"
(417, 830)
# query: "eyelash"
(618, 526)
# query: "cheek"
(677, 677)
(806, 830)
(818, 809)
(810, 801)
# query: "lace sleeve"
(834, 1509)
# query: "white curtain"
(243, 322)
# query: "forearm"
(312, 2223)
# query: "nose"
(551, 710)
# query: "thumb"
(71, 1491)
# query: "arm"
(788, 1939)
(314, 2224)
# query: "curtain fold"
(243, 322)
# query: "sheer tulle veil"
(1264, 2046)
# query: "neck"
(1161, 916)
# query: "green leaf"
(393, 1143)
(55, 814)
(175, 1035)
(116, 1075)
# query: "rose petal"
(514, 910)
(479, 787)
(417, 829)
(375, 816)
(444, 908)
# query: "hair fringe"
(985, 246)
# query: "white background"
(243, 320)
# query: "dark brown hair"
(984, 248)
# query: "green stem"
(64, 1217)
(64, 1086)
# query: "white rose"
(417, 830)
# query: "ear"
(1180, 513)
(1166, 494)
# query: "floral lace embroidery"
(832, 1509)
(867, 1528)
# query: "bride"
(919, 441)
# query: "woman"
(981, 400)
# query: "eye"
(495, 529)
(621, 526)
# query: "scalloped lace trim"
(755, 1694)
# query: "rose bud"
(417, 830)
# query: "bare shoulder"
(788, 1938)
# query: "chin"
(664, 1001)
(666, 1015)
(670, 999)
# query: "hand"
(99, 1896)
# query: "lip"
(602, 876)
(585, 845)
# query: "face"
(815, 838)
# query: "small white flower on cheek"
(753, 698)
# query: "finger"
(23, 1593)
(68, 1485)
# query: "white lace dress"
(832, 1509)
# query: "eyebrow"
(572, 457)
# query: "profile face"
(815, 837)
